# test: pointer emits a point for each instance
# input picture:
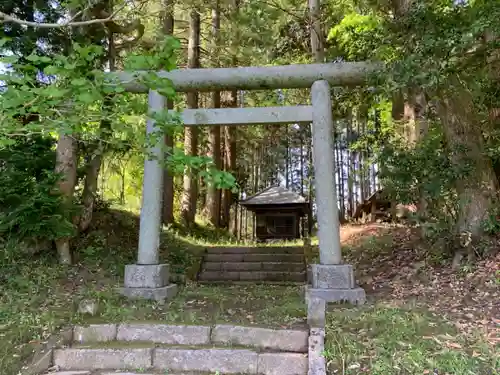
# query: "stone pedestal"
(335, 283)
(148, 282)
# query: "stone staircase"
(253, 264)
(175, 349)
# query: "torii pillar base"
(335, 283)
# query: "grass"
(383, 340)
(263, 305)
(37, 296)
(421, 318)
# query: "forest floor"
(420, 317)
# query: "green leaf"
(79, 82)
(86, 97)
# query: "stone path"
(174, 349)
(253, 264)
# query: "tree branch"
(8, 18)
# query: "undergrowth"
(422, 317)
(38, 296)
(383, 340)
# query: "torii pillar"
(148, 278)
(331, 281)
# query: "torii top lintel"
(258, 78)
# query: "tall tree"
(229, 131)
(190, 193)
(168, 178)
(213, 204)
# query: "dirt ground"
(394, 266)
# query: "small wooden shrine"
(278, 214)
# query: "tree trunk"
(350, 169)
(477, 190)
(342, 179)
(168, 178)
(302, 161)
(318, 55)
(66, 165)
(214, 194)
(94, 163)
(317, 37)
(229, 132)
(190, 193)
(287, 157)
(230, 143)
(89, 193)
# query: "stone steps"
(254, 257)
(257, 276)
(253, 264)
(175, 349)
(257, 250)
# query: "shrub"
(30, 207)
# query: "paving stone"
(95, 359)
(316, 311)
(317, 363)
(340, 276)
(289, 267)
(282, 364)
(212, 266)
(230, 250)
(225, 361)
(293, 258)
(224, 257)
(164, 334)
(219, 275)
(241, 266)
(264, 338)
(94, 333)
(256, 250)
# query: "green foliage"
(70, 94)
(357, 36)
(425, 171)
(29, 206)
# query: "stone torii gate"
(331, 279)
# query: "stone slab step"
(291, 258)
(224, 361)
(152, 372)
(252, 276)
(254, 266)
(257, 250)
(255, 282)
(286, 340)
